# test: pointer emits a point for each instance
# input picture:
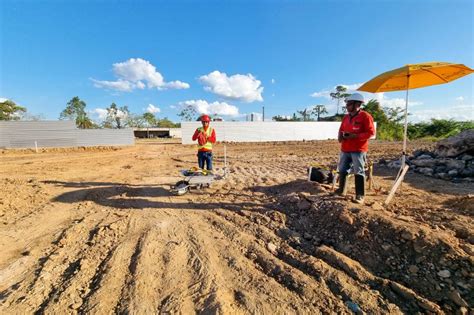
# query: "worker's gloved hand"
(202, 139)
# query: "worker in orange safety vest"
(206, 137)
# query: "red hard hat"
(205, 118)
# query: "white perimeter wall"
(47, 134)
(251, 131)
(175, 133)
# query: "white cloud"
(101, 113)
(326, 93)
(219, 108)
(273, 81)
(456, 112)
(239, 87)
(390, 102)
(351, 87)
(153, 109)
(460, 98)
(137, 73)
(120, 85)
(140, 85)
(323, 94)
(2, 99)
(380, 97)
(176, 85)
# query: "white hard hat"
(355, 97)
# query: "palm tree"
(338, 95)
(318, 110)
(305, 113)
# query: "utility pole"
(263, 112)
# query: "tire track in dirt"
(65, 267)
(103, 239)
(338, 282)
(288, 291)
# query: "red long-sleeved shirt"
(361, 124)
(211, 139)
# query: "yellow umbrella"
(412, 77)
(416, 76)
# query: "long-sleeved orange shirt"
(361, 124)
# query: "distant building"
(254, 117)
(157, 132)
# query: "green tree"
(319, 110)
(188, 113)
(116, 117)
(374, 108)
(76, 110)
(150, 120)
(135, 121)
(10, 111)
(295, 118)
(166, 123)
(305, 113)
(280, 118)
(389, 120)
(438, 128)
(339, 95)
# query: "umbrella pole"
(406, 127)
(403, 167)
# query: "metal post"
(225, 161)
(406, 125)
(263, 112)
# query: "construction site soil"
(97, 231)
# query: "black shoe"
(342, 190)
(360, 188)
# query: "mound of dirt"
(432, 264)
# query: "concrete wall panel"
(265, 131)
(47, 134)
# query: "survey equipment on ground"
(193, 178)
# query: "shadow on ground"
(124, 196)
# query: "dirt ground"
(96, 230)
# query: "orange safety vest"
(208, 145)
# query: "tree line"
(116, 117)
(389, 120)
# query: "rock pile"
(452, 159)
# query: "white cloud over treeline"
(153, 109)
(203, 107)
(240, 87)
(137, 73)
(382, 97)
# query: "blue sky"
(228, 57)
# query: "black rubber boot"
(342, 190)
(360, 188)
